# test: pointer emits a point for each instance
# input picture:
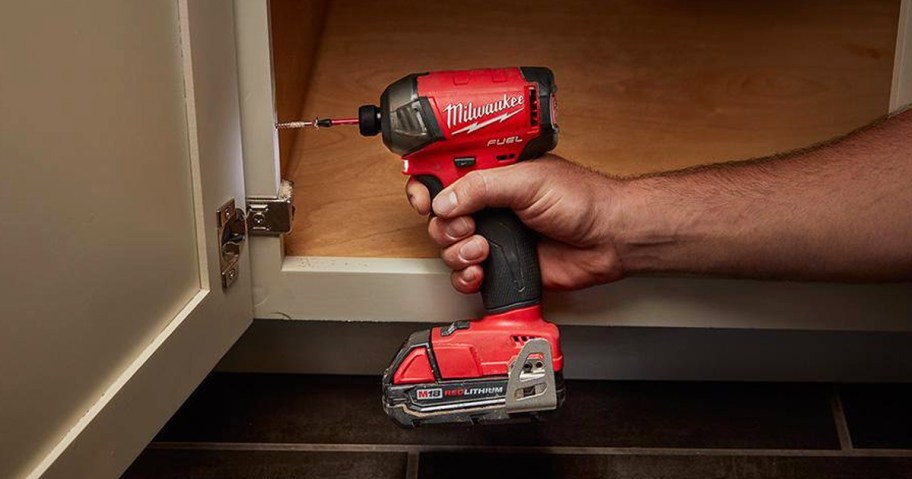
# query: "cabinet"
(644, 87)
(126, 126)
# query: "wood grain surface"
(644, 86)
(296, 30)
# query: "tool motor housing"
(446, 124)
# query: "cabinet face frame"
(394, 289)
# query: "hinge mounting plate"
(271, 216)
(232, 231)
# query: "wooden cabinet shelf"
(644, 86)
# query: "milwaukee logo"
(434, 393)
(459, 114)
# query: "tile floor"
(298, 426)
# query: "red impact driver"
(507, 364)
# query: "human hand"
(564, 202)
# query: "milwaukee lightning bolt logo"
(469, 117)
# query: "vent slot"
(533, 106)
(521, 340)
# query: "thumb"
(515, 186)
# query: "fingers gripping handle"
(512, 278)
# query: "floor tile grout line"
(839, 417)
(615, 451)
(411, 467)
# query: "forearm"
(840, 212)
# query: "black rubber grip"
(512, 278)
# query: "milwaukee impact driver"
(508, 364)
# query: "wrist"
(649, 225)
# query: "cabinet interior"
(644, 86)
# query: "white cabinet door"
(119, 140)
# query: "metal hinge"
(271, 216)
(232, 231)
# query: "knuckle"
(413, 187)
(441, 241)
(452, 264)
(472, 178)
(457, 228)
(456, 279)
(433, 230)
(450, 257)
(438, 231)
(475, 184)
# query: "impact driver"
(508, 364)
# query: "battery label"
(459, 391)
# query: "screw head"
(259, 219)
